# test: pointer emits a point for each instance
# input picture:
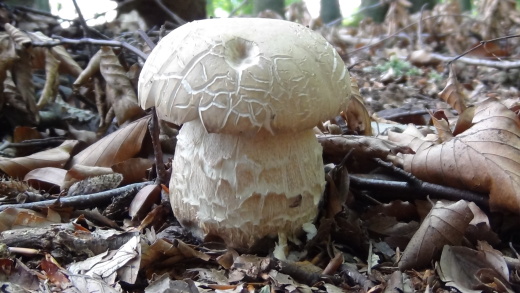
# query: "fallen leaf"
(356, 115)
(453, 93)
(67, 64)
(55, 157)
(123, 262)
(443, 225)
(440, 121)
(120, 92)
(52, 81)
(89, 71)
(15, 218)
(116, 147)
(484, 158)
(144, 200)
(46, 178)
(133, 170)
(471, 271)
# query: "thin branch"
(81, 201)
(406, 191)
(153, 126)
(146, 39)
(62, 40)
(82, 21)
(500, 64)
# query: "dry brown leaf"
(52, 81)
(19, 112)
(89, 71)
(163, 253)
(440, 121)
(67, 63)
(484, 158)
(18, 36)
(120, 92)
(464, 121)
(357, 117)
(7, 56)
(55, 157)
(479, 228)
(144, 200)
(15, 218)
(133, 170)
(116, 147)
(46, 178)
(22, 77)
(22, 133)
(453, 93)
(443, 225)
(473, 271)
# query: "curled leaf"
(357, 117)
(120, 91)
(114, 148)
(55, 157)
(18, 36)
(453, 93)
(50, 89)
(443, 225)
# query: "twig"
(482, 43)
(235, 10)
(62, 40)
(153, 127)
(409, 177)
(81, 201)
(170, 13)
(82, 21)
(502, 64)
(146, 39)
(407, 191)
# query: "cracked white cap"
(241, 75)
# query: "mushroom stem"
(243, 188)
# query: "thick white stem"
(245, 188)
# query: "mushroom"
(248, 93)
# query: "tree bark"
(330, 10)
(153, 15)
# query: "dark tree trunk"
(330, 10)
(372, 9)
(418, 4)
(277, 6)
(153, 15)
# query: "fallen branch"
(62, 40)
(81, 201)
(500, 64)
(411, 191)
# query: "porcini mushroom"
(248, 92)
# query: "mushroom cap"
(242, 75)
